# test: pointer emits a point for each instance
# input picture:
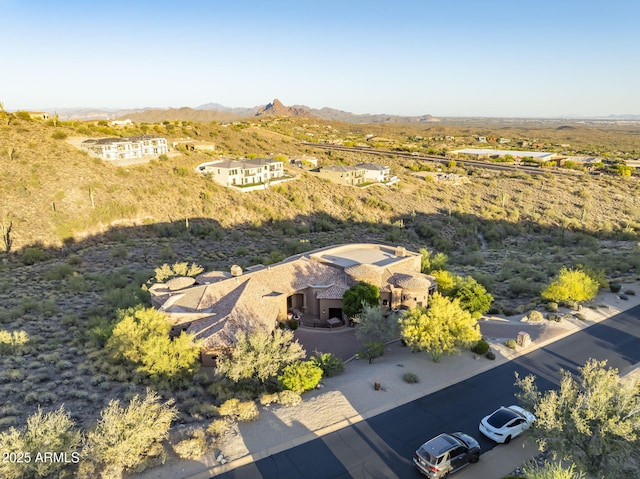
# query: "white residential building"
(243, 172)
(377, 173)
(126, 148)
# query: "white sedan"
(505, 423)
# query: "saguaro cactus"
(5, 231)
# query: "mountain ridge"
(216, 112)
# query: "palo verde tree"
(571, 285)
(377, 324)
(441, 328)
(260, 355)
(358, 295)
(592, 420)
(432, 262)
(141, 337)
(472, 295)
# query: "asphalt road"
(382, 446)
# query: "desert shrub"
(289, 398)
(58, 135)
(12, 342)
(630, 292)
(410, 378)
(535, 316)
(53, 431)
(301, 376)
(293, 324)
(490, 355)
(268, 398)
(192, 447)
(481, 347)
(218, 428)
(615, 287)
(553, 317)
(60, 271)
(330, 364)
(242, 411)
(32, 256)
(551, 306)
(126, 437)
(511, 343)
(580, 316)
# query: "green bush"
(32, 256)
(511, 343)
(481, 347)
(630, 292)
(301, 376)
(330, 364)
(242, 411)
(615, 287)
(410, 378)
(490, 355)
(580, 316)
(293, 324)
(552, 307)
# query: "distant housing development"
(541, 156)
(244, 174)
(308, 287)
(377, 173)
(134, 147)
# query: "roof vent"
(401, 251)
(236, 270)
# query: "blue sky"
(440, 57)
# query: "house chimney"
(236, 270)
(401, 251)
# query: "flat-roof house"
(541, 156)
(126, 148)
(377, 173)
(312, 284)
(346, 175)
(38, 115)
(239, 173)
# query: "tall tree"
(441, 328)
(260, 355)
(357, 295)
(571, 285)
(592, 420)
(377, 324)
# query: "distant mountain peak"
(276, 108)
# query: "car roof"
(440, 444)
(502, 416)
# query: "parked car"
(446, 453)
(505, 423)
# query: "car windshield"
(502, 416)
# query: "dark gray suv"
(446, 453)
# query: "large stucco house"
(243, 172)
(134, 147)
(219, 304)
(346, 175)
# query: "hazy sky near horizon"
(540, 58)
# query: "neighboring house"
(38, 115)
(304, 160)
(378, 173)
(238, 173)
(346, 175)
(126, 148)
(220, 304)
(126, 122)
